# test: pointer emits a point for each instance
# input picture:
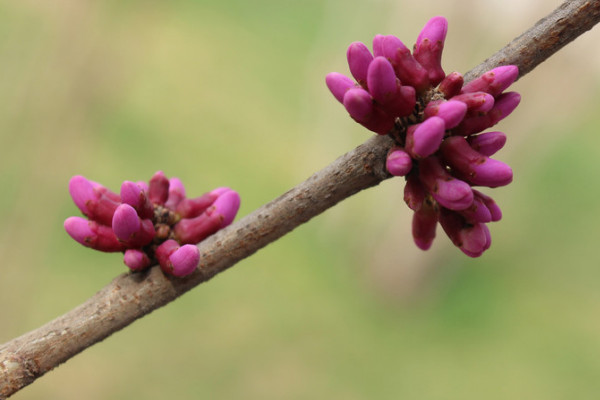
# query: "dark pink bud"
(495, 212)
(136, 259)
(414, 192)
(424, 222)
(408, 70)
(92, 234)
(360, 106)
(487, 143)
(450, 192)
(176, 193)
(386, 46)
(143, 185)
(381, 80)
(425, 138)
(158, 190)
(398, 162)
(472, 239)
(82, 192)
(494, 82)
(452, 112)
(227, 205)
(134, 195)
(184, 260)
(477, 212)
(429, 47)
(190, 208)
(473, 166)
(476, 101)
(451, 84)
(359, 58)
(93, 199)
(194, 230)
(130, 229)
(339, 84)
(503, 106)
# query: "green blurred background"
(345, 307)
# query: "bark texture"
(131, 296)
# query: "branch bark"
(132, 295)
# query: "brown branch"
(132, 295)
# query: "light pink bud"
(176, 193)
(339, 84)
(184, 261)
(136, 259)
(398, 162)
(359, 58)
(429, 47)
(452, 112)
(450, 192)
(414, 193)
(487, 143)
(158, 190)
(473, 166)
(424, 222)
(476, 101)
(494, 81)
(425, 138)
(92, 234)
(360, 106)
(133, 194)
(451, 84)
(130, 229)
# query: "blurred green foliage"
(232, 93)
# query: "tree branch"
(132, 295)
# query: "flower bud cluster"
(149, 222)
(437, 122)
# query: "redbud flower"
(175, 260)
(441, 147)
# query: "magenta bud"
(451, 84)
(424, 222)
(495, 212)
(194, 230)
(505, 104)
(425, 138)
(134, 195)
(82, 192)
(136, 260)
(450, 192)
(92, 234)
(452, 112)
(414, 192)
(477, 212)
(473, 166)
(381, 80)
(339, 84)
(227, 205)
(359, 58)
(190, 208)
(487, 143)
(158, 190)
(476, 101)
(429, 47)
(472, 239)
(494, 81)
(130, 229)
(386, 46)
(143, 185)
(184, 261)
(398, 162)
(360, 106)
(176, 193)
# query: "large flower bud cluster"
(437, 122)
(150, 222)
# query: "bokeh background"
(232, 93)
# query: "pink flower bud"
(495, 212)
(158, 190)
(451, 84)
(487, 143)
(424, 222)
(82, 192)
(477, 212)
(473, 166)
(503, 106)
(450, 192)
(360, 106)
(472, 239)
(190, 208)
(425, 138)
(359, 58)
(176, 193)
(452, 112)
(143, 185)
(130, 229)
(92, 234)
(476, 101)
(339, 84)
(175, 260)
(398, 162)
(227, 205)
(494, 81)
(395, 100)
(408, 70)
(136, 259)
(133, 194)
(93, 199)
(429, 47)
(414, 193)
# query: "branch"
(132, 295)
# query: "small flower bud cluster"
(149, 222)
(437, 122)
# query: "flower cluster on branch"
(437, 122)
(150, 222)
